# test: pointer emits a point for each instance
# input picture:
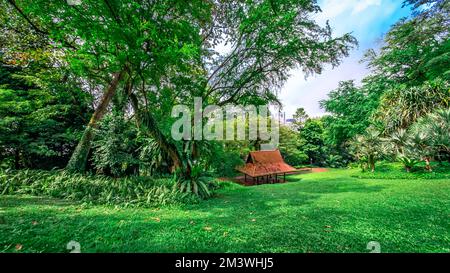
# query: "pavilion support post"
(284, 177)
(245, 178)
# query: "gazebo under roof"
(265, 164)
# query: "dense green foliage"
(313, 142)
(348, 119)
(123, 192)
(401, 106)
(97, 82)
(134, 60)
(116, 147)
(290, 143)
(300, 117)
(320, 212)
(40, 124)
(387, 170)
(409, 81)
(43, 106)
(166, 54)
(91, 88)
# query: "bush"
(295, 158)
(397, 171)
(229, 164)
(224, 161)
(130, 191)
(335, 161)
(115, 148)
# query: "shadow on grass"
(25, 200)
(270, 218)
(337, 185)
(267, 218)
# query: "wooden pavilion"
(265, 164)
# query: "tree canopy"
(142, 57)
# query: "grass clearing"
(318, 212)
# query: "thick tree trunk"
(427, 164)
(77, 162)
(372, 164)
(152, 127)
(17, 159)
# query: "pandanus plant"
(437, 127)
(408, 162)
(430, 135)
(423, 147)
(423, 140)
(369, 147)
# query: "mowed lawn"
(320, 212)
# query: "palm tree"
(403, 105)
(431, 135)
(407, 161)
(423, 147)
(439, 129)
(370, 147)
(404, 149)
(399, 140)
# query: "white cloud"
(334, 8)
(368, 20)
(362, 5)
(299, 92)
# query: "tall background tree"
(300, 117)
(42, 107)
(408, 80)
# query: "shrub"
(369, 148)
(335, 161)
(397, 171)
(408, 162)
(130, 191)
(197, 183)
(115, 147)
(224, 162)
(295, 158)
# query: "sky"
(368, 20)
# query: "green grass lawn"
(320, 212)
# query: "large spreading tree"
(161, 53)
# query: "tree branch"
(34, 26)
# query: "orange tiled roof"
(261, 163)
